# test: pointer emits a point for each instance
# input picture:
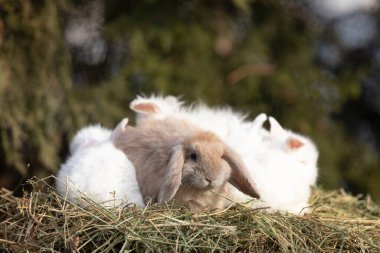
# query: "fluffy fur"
(282, 163)
(99, 171)
(89, 136)
(284, 169)
(176, 160)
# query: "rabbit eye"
(193, 156)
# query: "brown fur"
(162, 151)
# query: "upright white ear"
(119, 129)
(258, 122)
(144, 107)
(276, 130)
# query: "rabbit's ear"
(276, 130)
(144, 107)
(293, 143)
(173, 175)
(258, 122)
(119, 129)
(240, 176)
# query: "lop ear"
(119, 129)
(173, 175)
(276, 130)
(240, 176)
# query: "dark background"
(314, 66)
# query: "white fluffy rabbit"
(282, 163)
(284, 169)
(99, 171)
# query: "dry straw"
(42, 221)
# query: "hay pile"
(43, 221)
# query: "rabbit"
(289, 161)
(267, 154)
(177, 160)
(101, 172)
(89, 136)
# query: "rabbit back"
(89, 136)
(101, 172)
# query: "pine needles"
(43, 221)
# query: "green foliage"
(35, 78)
(256, 56)
(40, 106)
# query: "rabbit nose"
(209, 181)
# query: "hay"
(43, 221)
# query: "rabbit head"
(175, 160)
(203, 162)
(297, 146)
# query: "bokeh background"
(314, 65)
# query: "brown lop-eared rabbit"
(177, 160)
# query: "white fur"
(100, 172)
(166, 106)
(283, 176)
(89, 136)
